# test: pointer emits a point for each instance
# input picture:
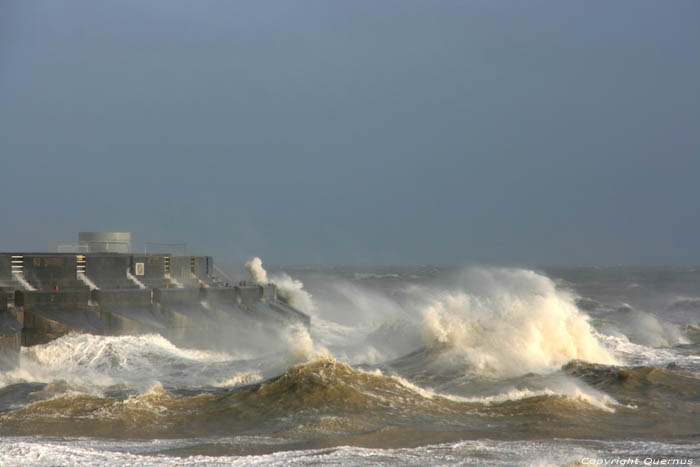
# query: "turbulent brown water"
(414, 366)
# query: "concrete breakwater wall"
(46, 295)
(57, 271)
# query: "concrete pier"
(51, 272)
(10, 334)
(44, 296)
(189, 319)
(126, 312)
(261, 301)
(108, 271)
(149, 270)
(181, 271)
(49, 315)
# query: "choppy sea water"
(401, 365)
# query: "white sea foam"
(507, 322)
(564, 387)
(241, 379)
(631, 353)
(89, 363)
(40, 453)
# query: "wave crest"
(510, 322)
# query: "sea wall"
(10, 333)
(44, 296)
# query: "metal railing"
(223, 274)
(168, 247)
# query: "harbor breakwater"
(44, 296)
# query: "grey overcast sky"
(305, 132)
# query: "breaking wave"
(501, 322)
(92, 363)
(509, 322)
(646, 329)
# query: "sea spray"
(359, 347)
(292, 292)
(289, 290)
(501, 322)
(256, 271)
(301, 347)
(507, 322)
(646, 329)
(355, 304)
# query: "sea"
(419, 365)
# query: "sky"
(356, 132)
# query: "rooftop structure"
(97, 242)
